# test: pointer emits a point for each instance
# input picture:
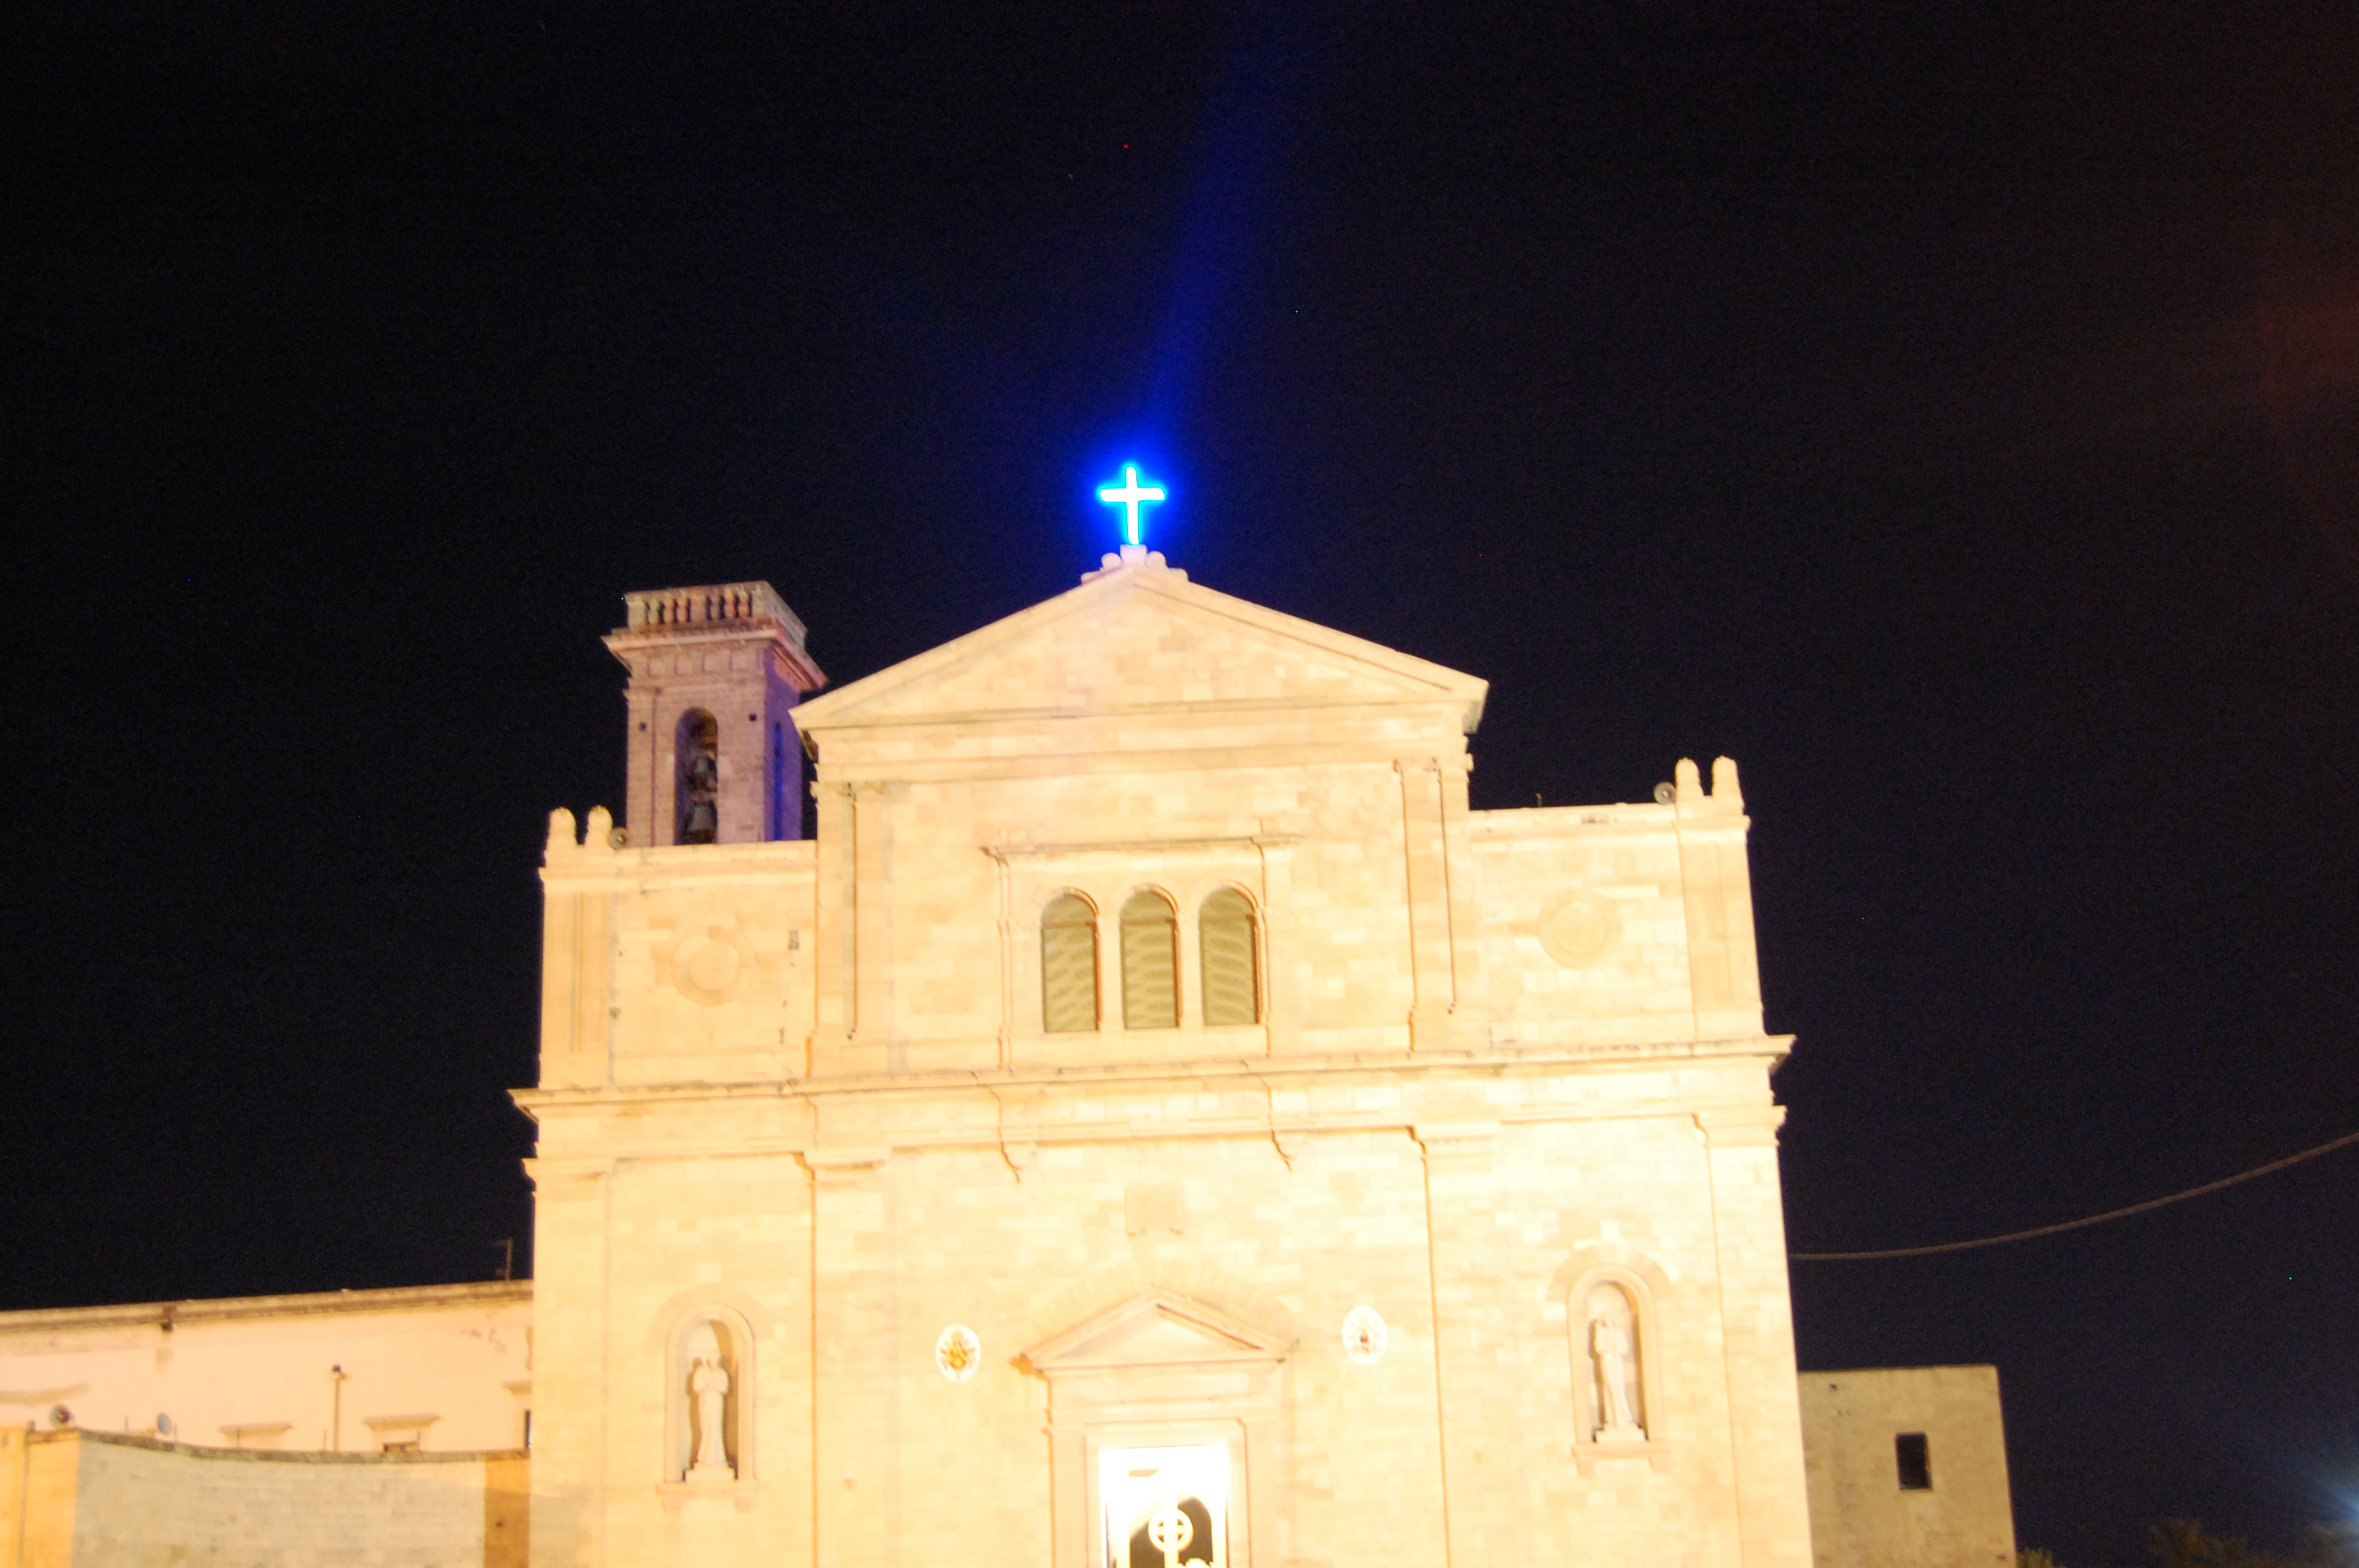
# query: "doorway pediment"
(1157, 1328)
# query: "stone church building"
(1153, 1121)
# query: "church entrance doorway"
(1165, 1507)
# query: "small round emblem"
(958, 1353)
(706, 969)
(1365, 1335)
(1578, 928)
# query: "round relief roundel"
(1578, 928)
(707, 969)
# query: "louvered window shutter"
(1068, 966)
(1224, 929)
(1150, 963)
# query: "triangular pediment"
(1139, 637)
(1157, 1328)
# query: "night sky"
(1952, 414)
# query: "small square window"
(1915, 1460)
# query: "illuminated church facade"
(1153, 1121)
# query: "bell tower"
(715, 674)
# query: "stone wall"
(802, 1102)
(1860, 1514)
(78, 1499)
(446, 1368)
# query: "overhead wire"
(2082, 1223)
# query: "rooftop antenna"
(336, 1377)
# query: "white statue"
(709, 1385)
(1609, 1345)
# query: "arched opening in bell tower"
(696, 782)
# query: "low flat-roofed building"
(430, 1368)
(1907, 1468)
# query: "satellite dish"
(163, 1424)
(1665, 793)
(61, 1416)
(618, 838)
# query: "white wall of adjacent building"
(445, 1368)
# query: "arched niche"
(696, 778)
(1614, 1342)
(1615, 1353)
(710, 1393)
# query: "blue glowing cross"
(1129, 493)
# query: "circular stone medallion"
(958, 1353)
(1578, 928)
(707, 969)
(1364, 1335)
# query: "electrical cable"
(2343, 1143)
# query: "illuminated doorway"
(1163, 1508)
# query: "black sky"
(1951, 413)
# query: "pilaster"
(833, 934)
(573, 1263)
(854, 1327)
(871, 919)
(1470, 1325)
(1717, 885)
(1757, 1335)
(1281, 1001)
(1426, 879)
(1470, 1003)
(576, 962)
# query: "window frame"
(1096, 964)
(1915, 1476)
(1124, 924)
(1258, 1011)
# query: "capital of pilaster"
(561, 1179)
(1740, 1126)
(1458, 1147)
(845, 1165)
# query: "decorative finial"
(1128, 494)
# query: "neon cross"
(1130, 494)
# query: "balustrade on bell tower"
(715, 673)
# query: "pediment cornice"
(1157, 1328)
(1141, 639)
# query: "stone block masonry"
(87, 1500)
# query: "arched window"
(1229, 958)
(1069, 966)
(1150, 962)
(696, 780)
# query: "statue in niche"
(707, 1386)
(1613, 1356)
